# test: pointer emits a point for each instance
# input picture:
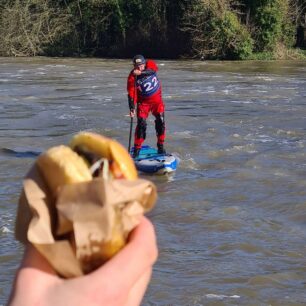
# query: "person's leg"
(160, 127)
(141, 128)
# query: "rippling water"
(231, 221)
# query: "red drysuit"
(145, 91)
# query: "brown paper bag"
(71, 229)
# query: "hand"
(120, 281)
(137, 71)
(132, 113)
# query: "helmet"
(138, 60)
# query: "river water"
(231, 222)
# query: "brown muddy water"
(231, 222)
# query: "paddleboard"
(149, 161)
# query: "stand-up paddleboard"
(149, 161)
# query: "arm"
(132, 93)
(120, 281)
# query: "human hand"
(137, 71)
(120, 281)
(132, 113)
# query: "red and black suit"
(145, 91)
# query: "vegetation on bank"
(204, 29)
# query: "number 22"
(151, 85)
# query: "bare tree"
(29, 26)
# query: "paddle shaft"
(131, 129)
(131, 123)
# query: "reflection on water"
(231, 220)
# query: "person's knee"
(160, 124)
(141, 128)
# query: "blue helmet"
(139, 60)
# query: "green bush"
(236, 40)
(272, 20)
(217, 34)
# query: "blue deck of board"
(149, 161)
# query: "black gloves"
(131, 103)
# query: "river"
(231, 222)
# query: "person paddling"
(145, 92)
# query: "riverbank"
(280, 54)
(223, 30)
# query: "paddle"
(131, 123)
(131, 129)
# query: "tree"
(216, 31)
(29, 26)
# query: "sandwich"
(82, 200)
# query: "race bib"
(148, 85)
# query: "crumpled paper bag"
(69, 228)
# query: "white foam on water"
(221, 296)
(300, 144)
(264, 138)
(185, 134)
(193, 90)
(241, 102)
(289, 132)
(248, 148)
(5, 230)
(188, 163)
(66, 116)
(216, 76)
(265, 78)
(30, 98)
(281, 174)
(56, 65)
(168, 97)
